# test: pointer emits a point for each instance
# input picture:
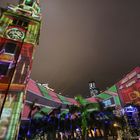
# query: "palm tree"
(83, 108)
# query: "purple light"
(58, 116)
(94, 130)
(28, 133)
(130, 109)
(67, 116)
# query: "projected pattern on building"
(19, 34)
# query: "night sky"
(85, 40)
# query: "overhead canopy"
(44, 91)
(110, 92)
(103, 96)
(110, 96)
(40, 90)
(113, 89)
(47, 99)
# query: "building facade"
(19, 36)
(129, 88)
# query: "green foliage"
(81, 100)
(83, 109)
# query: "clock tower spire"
(19, 36)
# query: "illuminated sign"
(109, 102)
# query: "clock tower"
(19, 36)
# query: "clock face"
(15, 34)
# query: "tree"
(83, 108)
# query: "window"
(4, 68)
(15, 21)
(20, 22)
(10, 47)
(25, 24)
